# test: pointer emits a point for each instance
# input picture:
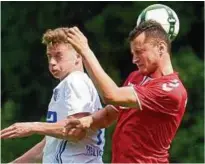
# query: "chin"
(55, 76)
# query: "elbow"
(108, 101)
(110, 98)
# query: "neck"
(78, 68)
(165, 67)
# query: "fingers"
(72, 41)
(8, 135)
(73, 38)
(76, 38)
(78, 31)
(71, 132)
(16, 130)
(69, 32)
(71, 123)
(75, 33)
(72, 33)
(7, 129)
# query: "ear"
(78, 58)
(162, 47)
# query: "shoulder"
(77, 79)
(134, 77)
(78, 82)
(170, 89)
(76, 76)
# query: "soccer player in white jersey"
(74, 96)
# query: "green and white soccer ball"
(163, 15)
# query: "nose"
(135, 60)
(52, 61)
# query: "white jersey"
(74, 94)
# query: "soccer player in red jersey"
(150, 105)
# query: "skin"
(152, 60)
(62, 60)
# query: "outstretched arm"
(56, 130)
(109, 91)
(43, 128)
(34, 155)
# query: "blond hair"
(54, 36)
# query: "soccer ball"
(163, 15)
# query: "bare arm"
(51, 129)
(57, 129)
(104, 117)
(109, 91)
(100, 119)
(34, 155)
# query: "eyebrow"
(58, 52)
(138, 49)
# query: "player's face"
(145, 55)
(61, 59)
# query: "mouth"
(54, 71)
(140, 65)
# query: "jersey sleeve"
(126, 82)
(78, 96)
(159, 99)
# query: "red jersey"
(144, 135)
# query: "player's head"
(62, 57)
(149, 43)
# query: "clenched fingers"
(70, 124)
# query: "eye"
(137, 52)
(58, 56)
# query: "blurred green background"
(26, 85)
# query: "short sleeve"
(158, 100)
(78, 95)
(116, 108)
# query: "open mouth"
(54, 71)
(140, 65)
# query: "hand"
(86, 122)
(77, 39)
(72, 124)
(73, 130)
(75, 134)
(17, 130)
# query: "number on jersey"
(99, 137)
(51, 116)
(171, 85)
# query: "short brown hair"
(152, 30)
(57, 35)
